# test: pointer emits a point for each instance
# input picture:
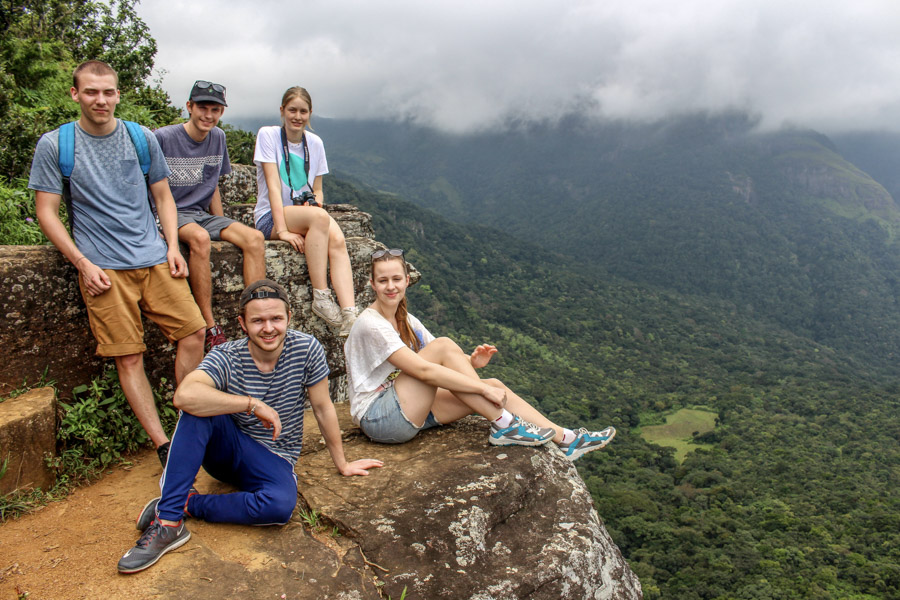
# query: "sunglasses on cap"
(209, 85)
(390, 252)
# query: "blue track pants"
(267, 482)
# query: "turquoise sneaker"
(588, 441)
(520, 433)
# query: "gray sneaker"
(520, 433)
(148, 513)
(324, 307)
(348, 318)
(153, 543)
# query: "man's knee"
(276, 506)
(255, 242)
(198, 242)
(130, 362)
(193, 340)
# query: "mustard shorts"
(115, 315)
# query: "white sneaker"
(325, 308)
(348, 318)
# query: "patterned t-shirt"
(114, 225)
(302, 364)
(196, 166)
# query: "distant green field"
(678, 431)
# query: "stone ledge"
(46, 325)
(450, 516)
(27, 438)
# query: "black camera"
(305, 199)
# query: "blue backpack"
(66, 159)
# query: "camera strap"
(287, 159)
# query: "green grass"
(679, 430)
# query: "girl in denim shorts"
(404, 380)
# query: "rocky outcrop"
(46, 331)
(447, 517)
(451, 517)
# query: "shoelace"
(148, 535)
(531, 427)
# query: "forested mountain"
(625, 271)
(792, 495)
(780, 224)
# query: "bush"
(98, 427)
(18, 224)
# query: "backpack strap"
(140, 145)
(66, 160)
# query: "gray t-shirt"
(114, 226)
(196, 166)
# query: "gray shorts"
(211, 223)
(385, 422)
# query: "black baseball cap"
(206, 91)
(261, 290)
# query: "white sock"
(504, 419)
(568, 437)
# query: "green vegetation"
(792, 495)
(667, 266)
(40, 46)
(98, 428)
(679, 430)
(780, 225)
(310, 518)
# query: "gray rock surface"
(450, 516)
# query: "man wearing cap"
(197, 155)
(242, 421)
(125, 268)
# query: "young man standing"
(124, 267)
(242, 420)
(197, 155)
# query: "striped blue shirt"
(301, 364)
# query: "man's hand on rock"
(361, 466)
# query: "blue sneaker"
(520, 433)
(588, 441)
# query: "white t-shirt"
(270, 150)
(371, 341)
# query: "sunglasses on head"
(390, 252)
(207, 84)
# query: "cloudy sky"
(464, 65)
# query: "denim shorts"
(385, 422)
(265, 224)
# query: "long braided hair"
(407, 335)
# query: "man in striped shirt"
(242, 421)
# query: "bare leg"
(199, 276)
(417, 399)
(137, 391)
(519, 406)
(339, 261)
(313, 224)
(252, 244)
(188, 354)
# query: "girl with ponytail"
(403, 380)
